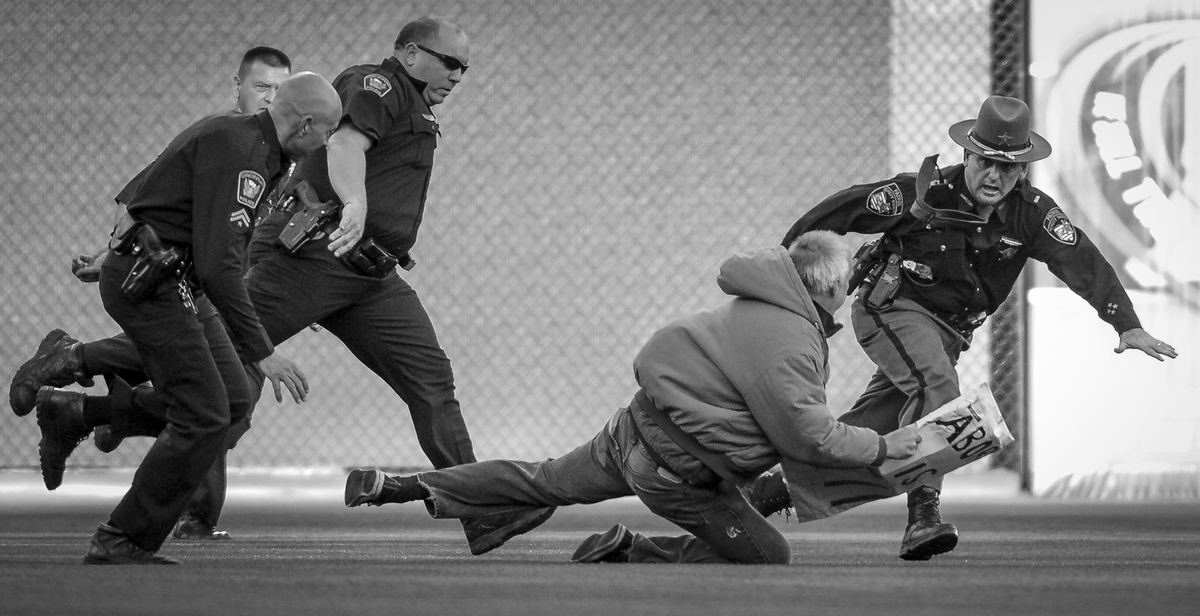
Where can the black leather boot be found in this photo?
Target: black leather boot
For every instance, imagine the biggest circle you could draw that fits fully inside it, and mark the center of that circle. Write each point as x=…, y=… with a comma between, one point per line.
x=60, y=418
x=768, y=493
x=111, y=546
x=926, y=535
x=57, y=362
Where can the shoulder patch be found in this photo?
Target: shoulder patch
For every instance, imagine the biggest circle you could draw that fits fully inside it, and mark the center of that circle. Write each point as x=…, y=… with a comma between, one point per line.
x=886, y=200
x=1056, y=224
x=250, y=188
x=377, y=83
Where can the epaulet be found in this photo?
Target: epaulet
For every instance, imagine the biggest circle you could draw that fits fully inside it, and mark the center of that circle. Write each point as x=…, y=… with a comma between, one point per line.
x=1032, y=195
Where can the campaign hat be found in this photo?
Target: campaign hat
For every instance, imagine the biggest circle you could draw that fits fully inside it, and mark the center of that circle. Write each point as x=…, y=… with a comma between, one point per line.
x=1001, y=132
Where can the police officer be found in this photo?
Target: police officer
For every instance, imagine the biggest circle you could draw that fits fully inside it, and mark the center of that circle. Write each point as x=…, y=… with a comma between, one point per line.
x=377, y=167
x=954, y=241
x=61, y=359
x=190, y=213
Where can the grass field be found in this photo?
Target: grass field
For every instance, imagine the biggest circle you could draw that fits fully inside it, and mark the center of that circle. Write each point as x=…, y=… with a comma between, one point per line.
x=298, y=551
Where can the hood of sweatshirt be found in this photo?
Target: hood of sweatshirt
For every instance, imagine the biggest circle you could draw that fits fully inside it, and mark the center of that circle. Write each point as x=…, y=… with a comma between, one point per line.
x=767, y=275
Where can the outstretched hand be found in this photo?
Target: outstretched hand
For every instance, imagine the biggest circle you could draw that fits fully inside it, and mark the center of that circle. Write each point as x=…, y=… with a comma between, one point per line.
x=1141, y=340
x=283, y=372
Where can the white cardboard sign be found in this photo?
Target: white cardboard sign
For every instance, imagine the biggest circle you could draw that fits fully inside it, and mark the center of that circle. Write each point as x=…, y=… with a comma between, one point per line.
x=962, y=431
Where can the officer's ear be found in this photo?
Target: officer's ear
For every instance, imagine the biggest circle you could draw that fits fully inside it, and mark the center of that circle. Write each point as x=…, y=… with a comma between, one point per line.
x=407, y=54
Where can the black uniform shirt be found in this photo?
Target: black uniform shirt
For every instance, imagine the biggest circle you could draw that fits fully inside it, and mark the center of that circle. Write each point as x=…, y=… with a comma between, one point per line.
x=974, y=267
x=384, y=103
x=201, y=193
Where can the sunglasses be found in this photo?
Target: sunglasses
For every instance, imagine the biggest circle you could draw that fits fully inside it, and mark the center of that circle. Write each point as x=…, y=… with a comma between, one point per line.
x=450, y=62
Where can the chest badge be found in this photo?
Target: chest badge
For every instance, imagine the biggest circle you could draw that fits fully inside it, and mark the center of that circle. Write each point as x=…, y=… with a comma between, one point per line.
x=250, y=188
x=377, y=83
x=1009, y=247
x=1056, y=224
x=886, y=200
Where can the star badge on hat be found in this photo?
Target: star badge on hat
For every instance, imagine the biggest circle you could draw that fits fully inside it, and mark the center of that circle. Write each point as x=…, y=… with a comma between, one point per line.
x=1001, y=132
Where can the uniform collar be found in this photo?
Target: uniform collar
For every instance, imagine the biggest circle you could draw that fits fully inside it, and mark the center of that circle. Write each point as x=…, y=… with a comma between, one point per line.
x=272, y=138
x=394, y=65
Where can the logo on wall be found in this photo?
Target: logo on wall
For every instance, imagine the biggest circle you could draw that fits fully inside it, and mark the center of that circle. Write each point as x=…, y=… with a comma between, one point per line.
x=1125, y=123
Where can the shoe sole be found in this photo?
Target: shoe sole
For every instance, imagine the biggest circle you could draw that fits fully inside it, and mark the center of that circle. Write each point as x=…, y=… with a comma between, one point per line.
x=216, y=535
x=44, y=347
x=88, y=559
x=926, y=550
x=358, y=491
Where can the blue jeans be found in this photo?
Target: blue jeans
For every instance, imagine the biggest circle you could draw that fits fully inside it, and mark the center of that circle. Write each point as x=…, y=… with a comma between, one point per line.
x=724, y=527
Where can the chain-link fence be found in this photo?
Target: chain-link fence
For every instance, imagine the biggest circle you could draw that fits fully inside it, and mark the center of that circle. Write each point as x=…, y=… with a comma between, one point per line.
x=598, y=162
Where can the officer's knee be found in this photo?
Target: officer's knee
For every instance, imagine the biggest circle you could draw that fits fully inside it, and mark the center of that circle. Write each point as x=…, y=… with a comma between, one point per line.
x=238, y=412
x=236, y=432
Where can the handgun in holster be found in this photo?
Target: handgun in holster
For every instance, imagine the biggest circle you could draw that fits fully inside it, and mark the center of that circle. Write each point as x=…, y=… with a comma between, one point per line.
x=370, y=259
x=866, y=266
x=154, y=264
x=884, y=288
x=311, y=219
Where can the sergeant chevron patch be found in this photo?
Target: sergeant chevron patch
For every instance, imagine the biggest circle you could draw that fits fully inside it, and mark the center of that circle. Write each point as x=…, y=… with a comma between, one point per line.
x=240, y=220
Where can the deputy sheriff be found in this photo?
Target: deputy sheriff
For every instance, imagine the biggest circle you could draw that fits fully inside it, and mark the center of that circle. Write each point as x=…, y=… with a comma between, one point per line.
x=954, y=241
x=376, y=170
x=190, y=215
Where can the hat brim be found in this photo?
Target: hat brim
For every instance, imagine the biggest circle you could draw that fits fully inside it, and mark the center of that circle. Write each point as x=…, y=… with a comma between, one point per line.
x=1041, y=148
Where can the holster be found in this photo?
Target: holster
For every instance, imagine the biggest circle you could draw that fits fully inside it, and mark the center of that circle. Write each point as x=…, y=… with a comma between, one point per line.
x=370, y=259
x=310, y=220
x=884, y=288
x=155, y=262
x=867, y=265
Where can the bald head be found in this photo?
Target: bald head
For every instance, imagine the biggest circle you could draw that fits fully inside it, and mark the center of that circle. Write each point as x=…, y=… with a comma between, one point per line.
x=306, y=111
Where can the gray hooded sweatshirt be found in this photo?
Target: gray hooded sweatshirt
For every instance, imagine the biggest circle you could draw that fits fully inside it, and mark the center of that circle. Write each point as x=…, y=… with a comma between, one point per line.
x=747, y=379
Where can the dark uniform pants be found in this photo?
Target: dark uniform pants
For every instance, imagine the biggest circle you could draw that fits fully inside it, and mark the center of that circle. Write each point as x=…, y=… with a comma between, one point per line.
x=724, y=527
x=147, y=416
x=916, y=354
x=382, y=322
x=196, y=373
